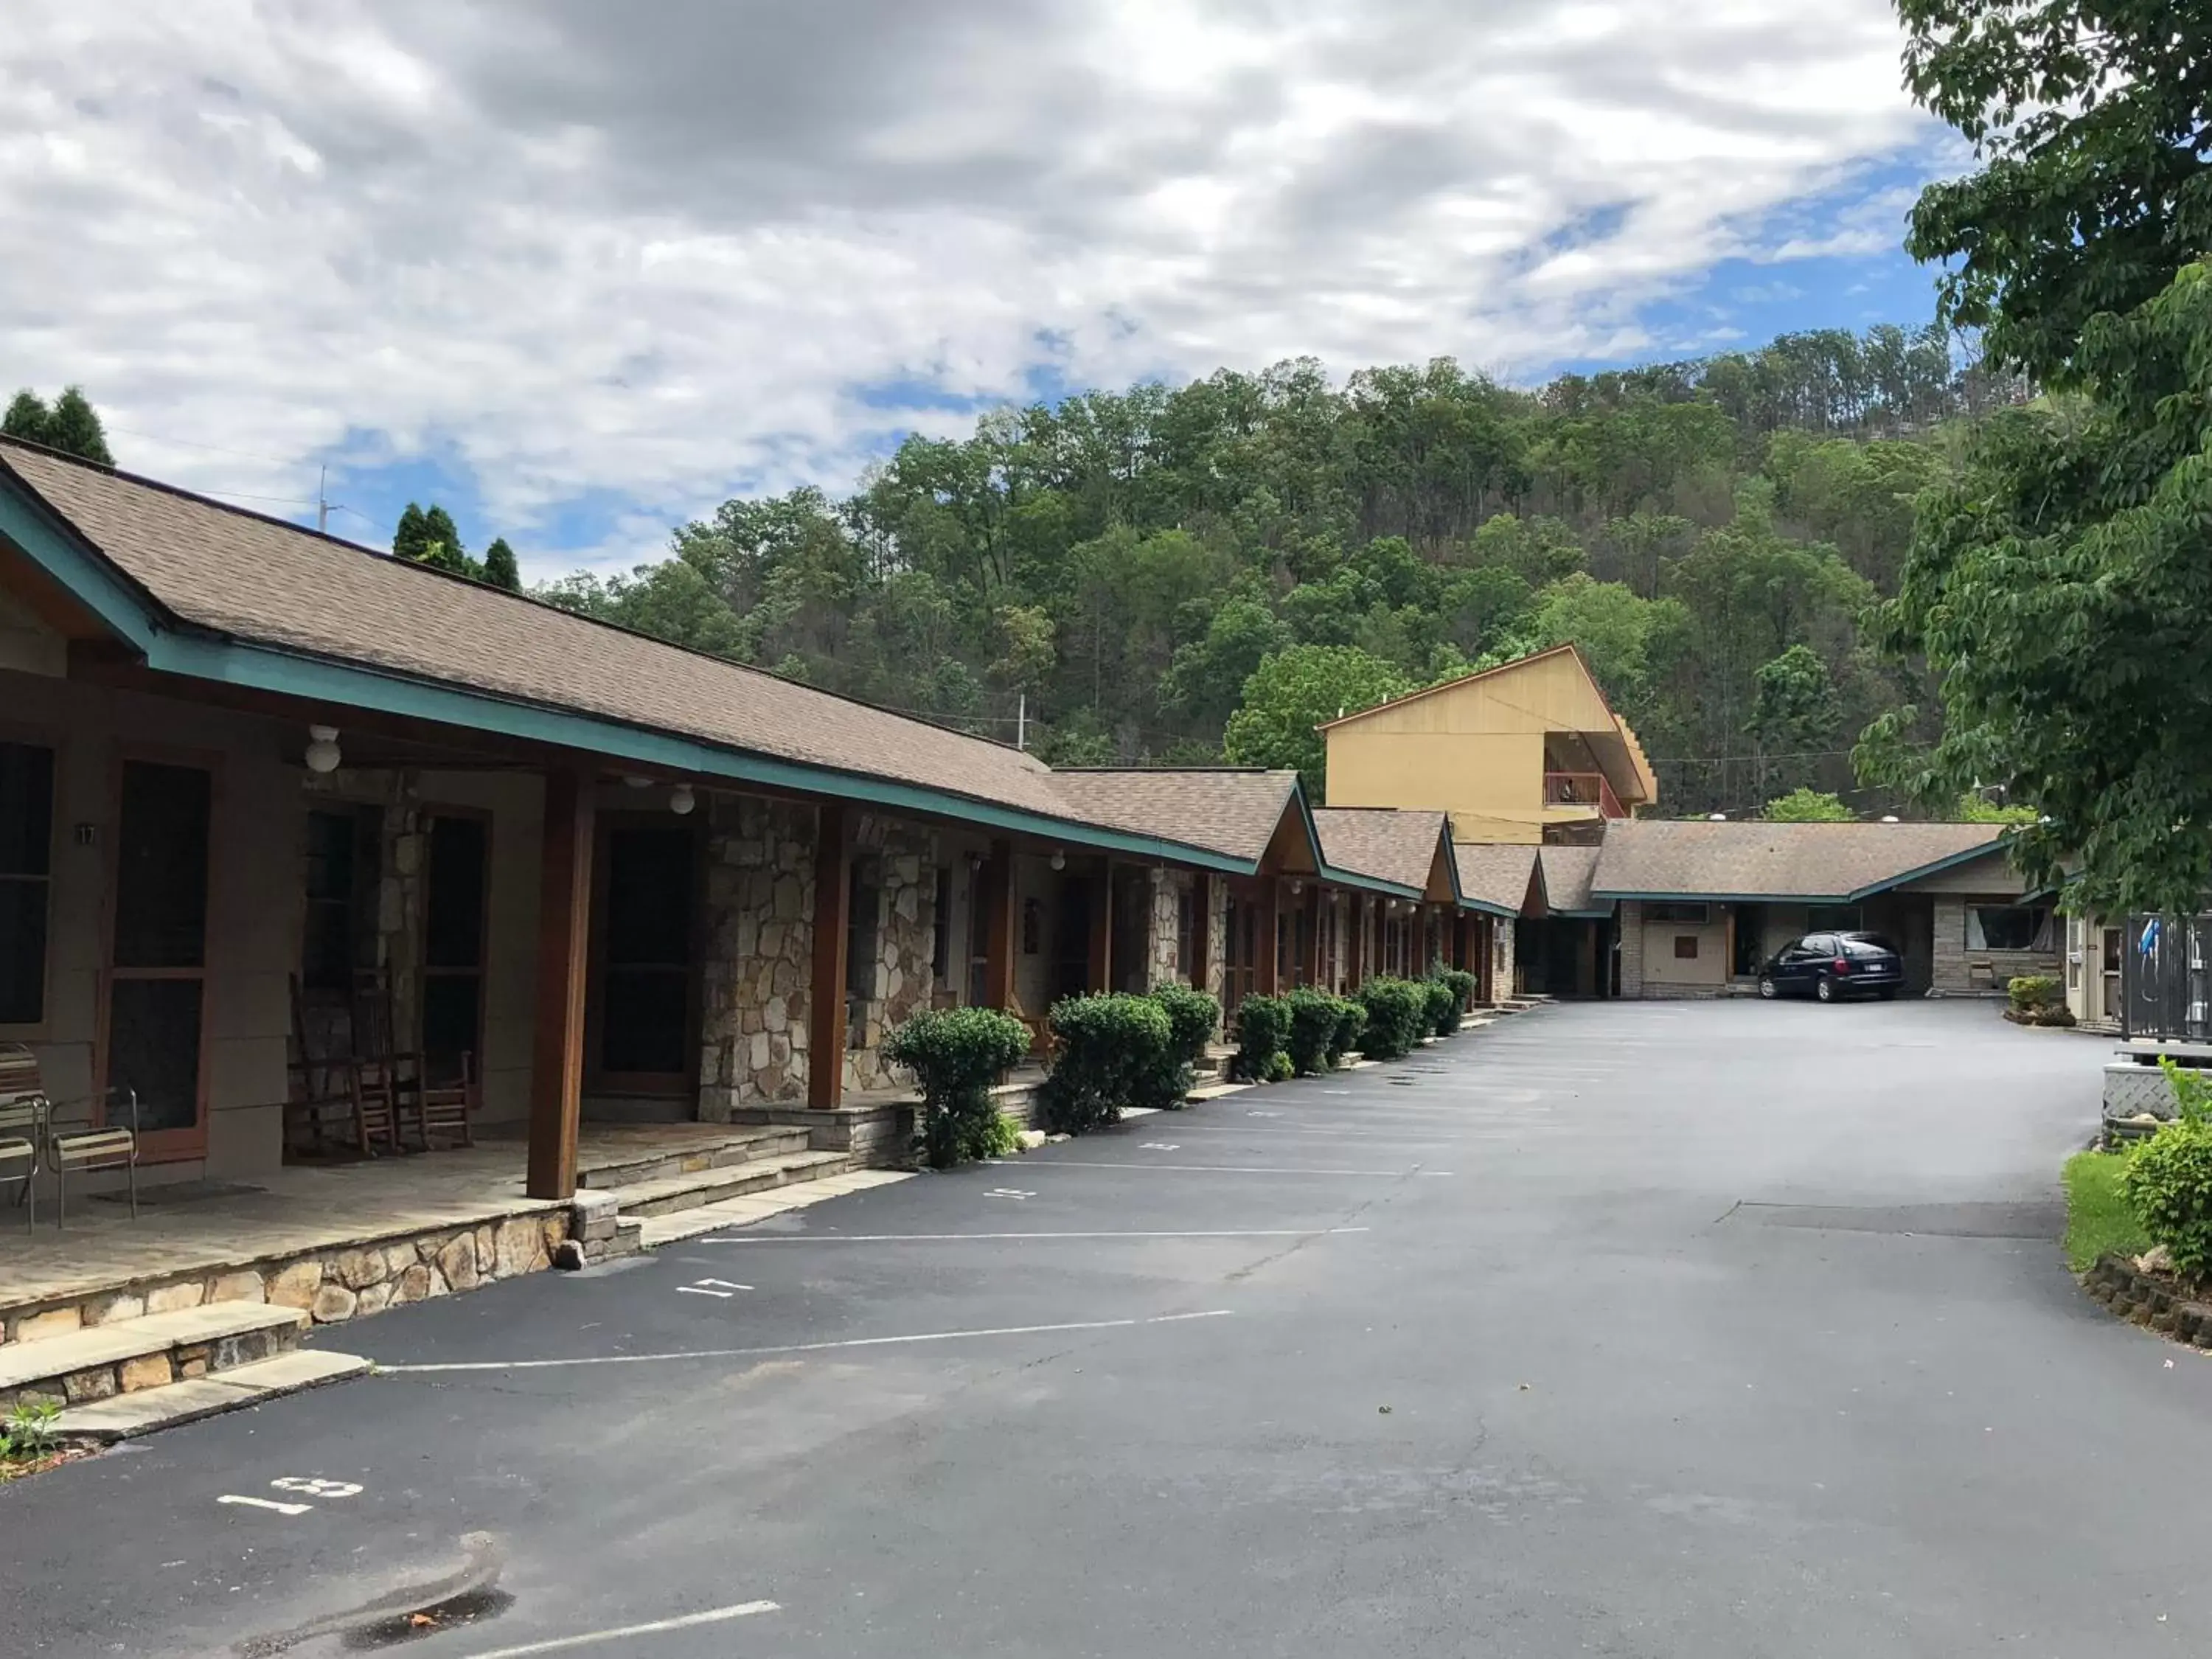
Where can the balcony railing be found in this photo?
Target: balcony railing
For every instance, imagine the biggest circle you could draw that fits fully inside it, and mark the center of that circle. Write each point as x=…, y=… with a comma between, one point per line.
x=1582, y=789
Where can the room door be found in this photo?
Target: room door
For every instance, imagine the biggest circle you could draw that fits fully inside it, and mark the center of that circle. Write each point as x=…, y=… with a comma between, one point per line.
x=154, y=1015
x=641, y=1041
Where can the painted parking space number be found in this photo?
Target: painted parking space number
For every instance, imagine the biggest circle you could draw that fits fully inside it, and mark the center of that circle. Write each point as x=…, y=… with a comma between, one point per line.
x=1161, y=1147
x=1014, y=1193
x=306, y=1484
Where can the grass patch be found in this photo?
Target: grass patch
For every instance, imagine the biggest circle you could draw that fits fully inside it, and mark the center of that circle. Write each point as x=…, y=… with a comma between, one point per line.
x=2098, y=1218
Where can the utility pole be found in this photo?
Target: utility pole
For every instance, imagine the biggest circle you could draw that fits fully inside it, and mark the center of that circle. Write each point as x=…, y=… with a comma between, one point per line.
x=323, y=503
x=1021, y=720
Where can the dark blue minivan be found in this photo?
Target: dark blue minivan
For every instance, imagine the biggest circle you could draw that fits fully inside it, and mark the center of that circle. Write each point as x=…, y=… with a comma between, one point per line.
x=1830, y=966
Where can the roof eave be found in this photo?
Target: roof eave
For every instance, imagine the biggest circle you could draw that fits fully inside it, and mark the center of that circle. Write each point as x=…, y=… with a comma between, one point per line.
x=1965, y=855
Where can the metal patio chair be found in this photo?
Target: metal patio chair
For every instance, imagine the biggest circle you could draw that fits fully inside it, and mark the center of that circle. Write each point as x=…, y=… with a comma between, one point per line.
x=94, y=1146
x=23, y=1125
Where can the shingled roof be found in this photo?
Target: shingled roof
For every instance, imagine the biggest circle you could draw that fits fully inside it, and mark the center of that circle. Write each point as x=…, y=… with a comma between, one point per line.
x=247, y=578
x=1495, y=874
x=1567, y=874
x=1234, y=809
x=1395, y=846
x=1750, y=860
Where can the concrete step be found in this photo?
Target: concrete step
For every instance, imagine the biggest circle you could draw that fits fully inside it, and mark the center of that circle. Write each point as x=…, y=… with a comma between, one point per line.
x=1206, y=1091
x=657, y=1230
x=127, y=1416
x=687, y=1192
x=740, y=1145
x=150, y=1351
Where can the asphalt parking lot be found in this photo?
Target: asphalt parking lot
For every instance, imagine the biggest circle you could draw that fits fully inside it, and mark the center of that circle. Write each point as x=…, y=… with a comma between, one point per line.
x=1637, y=1328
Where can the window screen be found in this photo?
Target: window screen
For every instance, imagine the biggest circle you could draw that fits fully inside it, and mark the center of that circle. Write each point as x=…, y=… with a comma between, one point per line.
x=26, y=826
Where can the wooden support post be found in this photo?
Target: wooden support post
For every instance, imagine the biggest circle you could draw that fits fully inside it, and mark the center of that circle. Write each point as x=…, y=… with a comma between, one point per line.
x=1310, y=967
x=1269, y=966
x=833, y=905
x=1101, y=970
x=1355, y=945
x=1201, y=929
x=996, y=895
x=557, y=1057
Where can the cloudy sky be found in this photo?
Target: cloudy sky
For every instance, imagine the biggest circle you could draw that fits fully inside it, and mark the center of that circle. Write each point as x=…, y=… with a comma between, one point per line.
x=581, y=268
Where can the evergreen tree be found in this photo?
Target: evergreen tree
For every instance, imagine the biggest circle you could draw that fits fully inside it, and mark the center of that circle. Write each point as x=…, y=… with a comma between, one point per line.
x=412, y=537
x=74, y=428
x=442, y=542
x=28, y=417
x=500, y=568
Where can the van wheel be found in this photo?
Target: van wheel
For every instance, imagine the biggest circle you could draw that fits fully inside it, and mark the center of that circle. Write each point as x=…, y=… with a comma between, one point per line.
x=1768, y=988
x=1825, y=990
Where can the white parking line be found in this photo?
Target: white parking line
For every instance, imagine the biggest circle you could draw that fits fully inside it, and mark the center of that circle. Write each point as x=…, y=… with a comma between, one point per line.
x=792, y=1347
x=1206, y=1169
x=926, y=1238
x=585, y=1638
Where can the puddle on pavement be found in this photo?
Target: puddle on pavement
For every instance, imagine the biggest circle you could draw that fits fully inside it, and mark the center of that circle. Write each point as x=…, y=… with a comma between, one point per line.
x=421, y=1622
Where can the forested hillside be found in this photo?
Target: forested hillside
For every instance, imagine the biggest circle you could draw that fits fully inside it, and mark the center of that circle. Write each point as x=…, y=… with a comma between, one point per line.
x=1173, y=575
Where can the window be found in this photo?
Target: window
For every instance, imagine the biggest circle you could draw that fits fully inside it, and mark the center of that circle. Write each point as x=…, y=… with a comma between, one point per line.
x=940, y=945
x=1686, y=947
x=1691, y=915
x=27, y=832
x=863, y=900
x=1869, y=944
x=2008, y=927
x=341, y=861
x=453, y=944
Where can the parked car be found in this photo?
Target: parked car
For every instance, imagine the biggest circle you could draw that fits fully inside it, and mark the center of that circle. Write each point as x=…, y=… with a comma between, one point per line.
x=1830, y=966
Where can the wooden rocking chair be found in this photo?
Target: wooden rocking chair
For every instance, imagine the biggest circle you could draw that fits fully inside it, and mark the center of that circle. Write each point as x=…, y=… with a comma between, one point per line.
x=385, y=1082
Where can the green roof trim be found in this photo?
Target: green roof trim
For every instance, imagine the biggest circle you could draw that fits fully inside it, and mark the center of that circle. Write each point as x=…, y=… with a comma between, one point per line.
x=1966, y=855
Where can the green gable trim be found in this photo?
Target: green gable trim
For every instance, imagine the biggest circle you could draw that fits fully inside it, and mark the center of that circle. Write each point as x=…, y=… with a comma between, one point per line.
x=1367, y=883
x=1967, y=856
x=1687, y=897
x=133, y=615
x=1485, y=908
x=261, y=668
x=119, y=602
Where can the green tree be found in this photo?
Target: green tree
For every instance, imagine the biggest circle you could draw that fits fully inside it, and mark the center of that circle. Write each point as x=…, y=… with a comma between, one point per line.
x=442, y=542
x=2096, y=184
x=410, y=538
x=1793, y=711
x=1296, y=690
x=70, y=425
x=1808, y=806
x=500, y=568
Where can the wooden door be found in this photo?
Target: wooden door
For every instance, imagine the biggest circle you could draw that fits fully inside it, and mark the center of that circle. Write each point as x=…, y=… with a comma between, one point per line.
x=154, y=1011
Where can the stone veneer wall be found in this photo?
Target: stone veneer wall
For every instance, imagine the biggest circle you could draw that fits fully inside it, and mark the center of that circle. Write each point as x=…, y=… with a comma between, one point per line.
x=1217, y=938
x=1165, y=965
x=329, y=1287
x=1629, y=928
x=906, y=936
x=1952, y=960
x=757, y=957
x=1501, y=960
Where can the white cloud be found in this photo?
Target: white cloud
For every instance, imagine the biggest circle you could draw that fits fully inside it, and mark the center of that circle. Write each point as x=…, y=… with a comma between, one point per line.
x=652, y=254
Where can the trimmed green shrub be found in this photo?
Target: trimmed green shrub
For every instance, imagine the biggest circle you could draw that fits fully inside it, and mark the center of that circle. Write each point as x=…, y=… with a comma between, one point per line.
x=1108, y=1052
x=1351, y=1022
x=1464, y=986
x=1440, y=1016
x=1315, y=1015
x=2030, y=992
x=1397, y=1012
x=1193, y=1017
x=1279, y=1069
x=957, y=1054
x=2168, y=1185
x=1263, y=1025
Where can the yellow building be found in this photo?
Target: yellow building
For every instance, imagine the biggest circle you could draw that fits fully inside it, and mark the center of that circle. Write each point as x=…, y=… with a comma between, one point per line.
x=1526, y=753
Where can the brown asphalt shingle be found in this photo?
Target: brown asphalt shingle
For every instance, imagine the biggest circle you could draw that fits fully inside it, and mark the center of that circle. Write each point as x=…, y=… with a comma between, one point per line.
x=1567, y=872
x=1389, y=845
x=271, y=584
x=1227, y=809
x=1496, y=872
x=1752, y=859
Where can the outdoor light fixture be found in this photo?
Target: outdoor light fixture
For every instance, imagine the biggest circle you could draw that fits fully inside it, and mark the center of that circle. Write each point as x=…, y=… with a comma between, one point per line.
x=1717, y=818
x=1297, y=888
x=322, y=754
x=1889, y=817
x=1059, y=859
x=681, y=800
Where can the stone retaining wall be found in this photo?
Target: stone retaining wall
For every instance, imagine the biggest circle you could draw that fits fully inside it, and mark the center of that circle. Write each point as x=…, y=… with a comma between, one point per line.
x=2147, y=1299
x=330, y=1285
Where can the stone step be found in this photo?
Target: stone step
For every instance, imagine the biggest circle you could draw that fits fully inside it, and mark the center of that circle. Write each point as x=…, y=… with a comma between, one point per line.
x=725, y=1213
x=741, y=1145
x=687, y=1192
x=127, y=1416
x=1206, y=1091
x=149, y=1352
